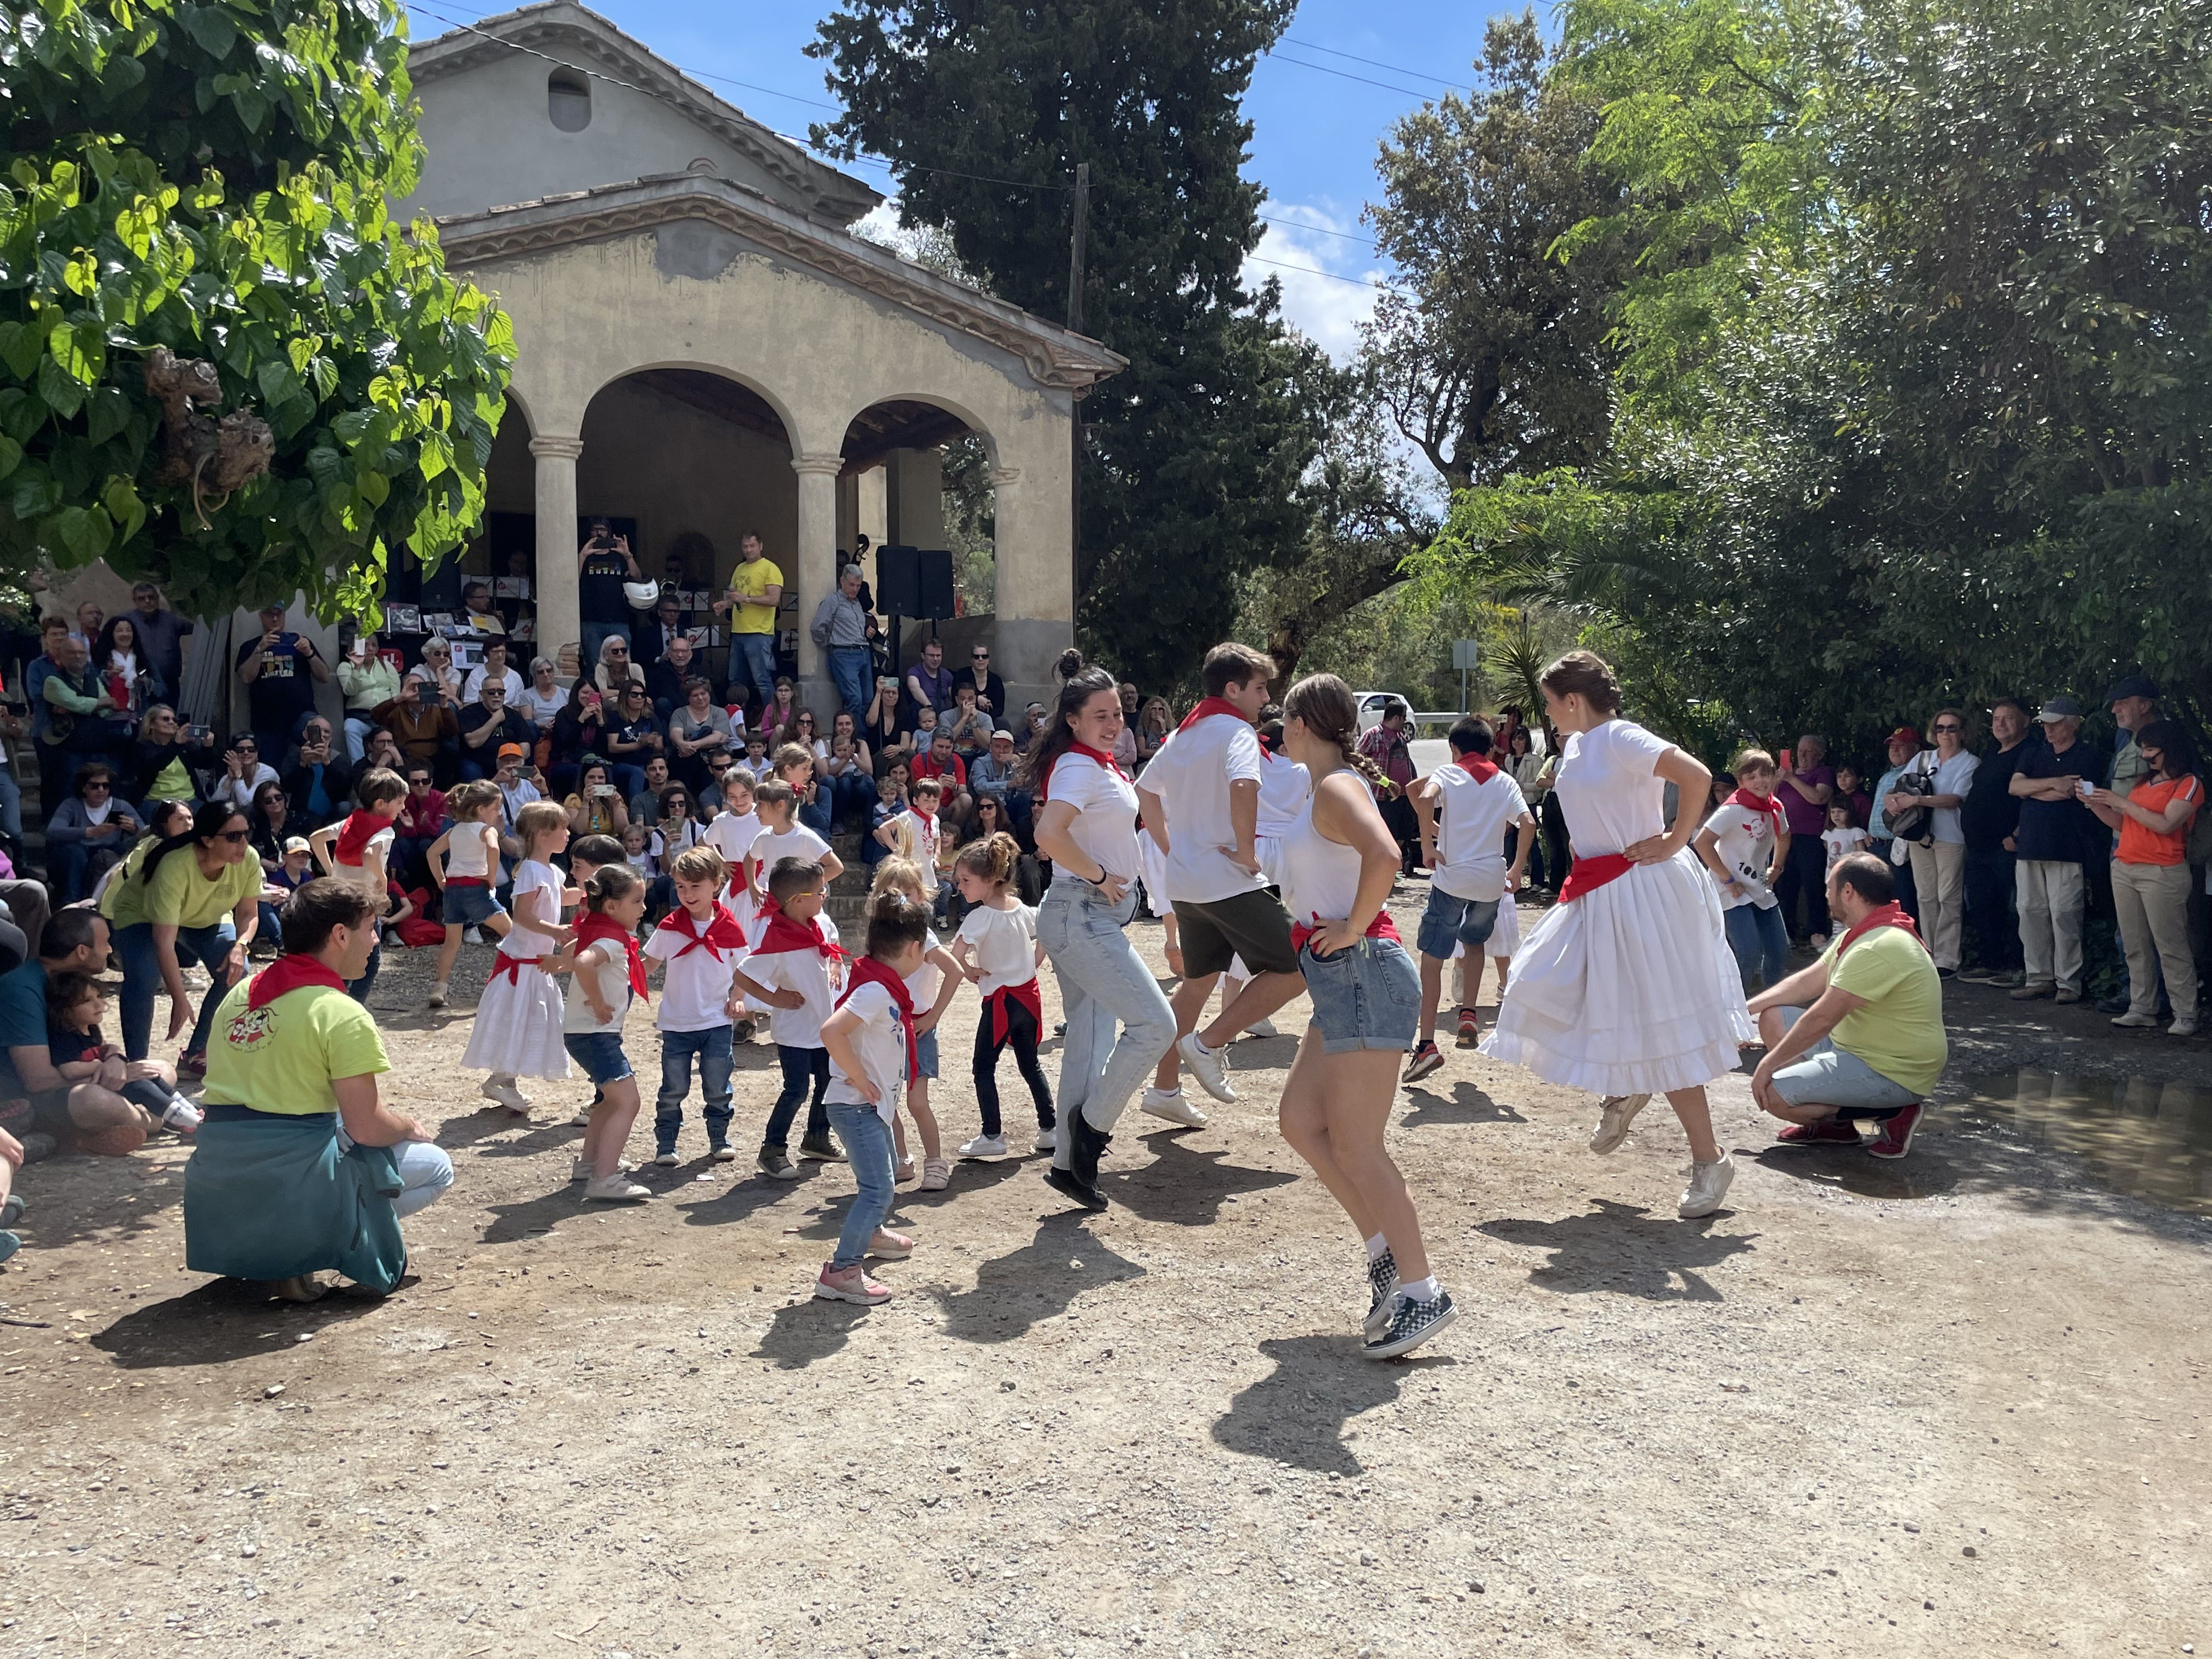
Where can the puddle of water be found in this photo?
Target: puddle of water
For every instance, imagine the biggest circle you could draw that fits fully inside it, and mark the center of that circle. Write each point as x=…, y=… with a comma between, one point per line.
x=2149, y=1140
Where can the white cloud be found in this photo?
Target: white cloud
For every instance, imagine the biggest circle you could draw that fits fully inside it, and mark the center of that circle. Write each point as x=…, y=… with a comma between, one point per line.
x=1329, y=308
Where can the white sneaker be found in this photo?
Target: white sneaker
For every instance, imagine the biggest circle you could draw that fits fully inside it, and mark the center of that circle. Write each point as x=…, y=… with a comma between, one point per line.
x=583, y=1118
x=473, y=936
x=507, y=1096
x=2132, y=1021
x=903, y=1170
x=1261, y=1028
x=438, y=993
x=664, y=1160
x=617, y=1188
x=1048, y=1140
x=1613, y=1119
x=1207, y=1066
x=985, y=1146
x=580, y=1170
x=2183, y=1025
x=1170, y=1104
x=184, y=1118
x=1709, y=1184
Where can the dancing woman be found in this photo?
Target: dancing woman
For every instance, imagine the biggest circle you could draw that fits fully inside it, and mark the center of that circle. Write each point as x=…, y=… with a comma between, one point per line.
x=1626, y=988
x=1339, y=859
x=1087, y=825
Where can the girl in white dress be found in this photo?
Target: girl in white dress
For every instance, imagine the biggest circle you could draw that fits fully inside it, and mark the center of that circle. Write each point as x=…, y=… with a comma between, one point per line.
x=518, y=1017
x=1626, y=988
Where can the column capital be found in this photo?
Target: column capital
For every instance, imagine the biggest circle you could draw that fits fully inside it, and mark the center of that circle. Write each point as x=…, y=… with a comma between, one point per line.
x=1002, y=476
x=551, y=445
x=829, y=465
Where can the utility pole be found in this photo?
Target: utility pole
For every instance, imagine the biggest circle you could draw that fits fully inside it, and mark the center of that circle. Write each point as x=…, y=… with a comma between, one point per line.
x=1075, y=325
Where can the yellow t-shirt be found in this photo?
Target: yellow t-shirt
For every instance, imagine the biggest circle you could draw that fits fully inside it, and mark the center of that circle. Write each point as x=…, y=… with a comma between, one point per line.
x=178, y=894
x=1899, y=1032
x=748, y=581
x=281, y=1057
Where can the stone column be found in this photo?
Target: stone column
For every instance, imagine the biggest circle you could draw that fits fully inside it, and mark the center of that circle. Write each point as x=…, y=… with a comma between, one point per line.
x=1034, y=599
x=814, y=569
x=560, y=623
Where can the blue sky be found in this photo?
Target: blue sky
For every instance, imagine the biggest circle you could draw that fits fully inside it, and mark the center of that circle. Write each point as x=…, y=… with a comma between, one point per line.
x=1318, y=112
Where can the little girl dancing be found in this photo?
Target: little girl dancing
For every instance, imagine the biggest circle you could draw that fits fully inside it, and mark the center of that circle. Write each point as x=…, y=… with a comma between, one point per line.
x=518, y=1017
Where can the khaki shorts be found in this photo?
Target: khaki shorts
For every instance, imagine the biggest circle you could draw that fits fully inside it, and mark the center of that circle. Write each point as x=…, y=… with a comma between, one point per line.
x=1252, y=925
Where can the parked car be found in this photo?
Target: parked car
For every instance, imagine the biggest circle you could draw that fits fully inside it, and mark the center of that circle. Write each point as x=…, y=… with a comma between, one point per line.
x=1373, y=705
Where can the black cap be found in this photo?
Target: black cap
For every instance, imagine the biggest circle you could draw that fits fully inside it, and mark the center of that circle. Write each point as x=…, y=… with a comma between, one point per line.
x=2133, y=685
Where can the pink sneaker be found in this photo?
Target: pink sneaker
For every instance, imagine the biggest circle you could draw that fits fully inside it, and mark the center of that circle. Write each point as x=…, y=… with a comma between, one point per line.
x=853, y=1284
x=889, y=1246
x=1835, y=1132
x=1896, y=1136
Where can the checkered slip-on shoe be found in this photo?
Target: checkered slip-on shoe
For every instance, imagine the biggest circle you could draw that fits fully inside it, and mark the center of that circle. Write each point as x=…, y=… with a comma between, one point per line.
x=1382, y=1284
x=1411, y=1323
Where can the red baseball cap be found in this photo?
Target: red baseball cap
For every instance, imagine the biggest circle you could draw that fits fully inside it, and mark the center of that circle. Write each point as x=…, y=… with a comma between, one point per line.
x=1902, y=734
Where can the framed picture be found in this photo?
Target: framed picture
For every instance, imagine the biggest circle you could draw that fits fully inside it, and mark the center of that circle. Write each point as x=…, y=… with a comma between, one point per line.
x=511, y=587
x=438, y=622
x=403, y=618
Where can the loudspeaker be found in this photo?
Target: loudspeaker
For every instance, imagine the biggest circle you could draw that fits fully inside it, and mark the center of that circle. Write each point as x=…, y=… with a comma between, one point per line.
x=914, y=582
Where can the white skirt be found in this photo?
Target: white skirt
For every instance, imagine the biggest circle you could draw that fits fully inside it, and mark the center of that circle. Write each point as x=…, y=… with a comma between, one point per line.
x=518, y=1027
x=1629, y=989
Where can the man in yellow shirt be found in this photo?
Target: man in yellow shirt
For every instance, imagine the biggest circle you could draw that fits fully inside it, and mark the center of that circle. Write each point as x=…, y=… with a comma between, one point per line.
x=756, y=590
x=1860, y=1033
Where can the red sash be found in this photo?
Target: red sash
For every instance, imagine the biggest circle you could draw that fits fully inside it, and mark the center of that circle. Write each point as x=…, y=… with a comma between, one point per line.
x=1207, y=709
x=1891, y=915
x=593, y=926
x=1000, y=1004
x=504, y=966
x=289, y=974
x=465, y=881
x=1592, y=872
x=784, y=934
x=1771, y=807
x=869, y=971
x=721, y=932
x=353, y=838
x=1104, y=759
x=1381, y=927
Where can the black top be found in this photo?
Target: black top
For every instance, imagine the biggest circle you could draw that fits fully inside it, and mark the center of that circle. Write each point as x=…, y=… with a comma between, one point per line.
x=1991, y=810
x=990, y=686
x=599, y=597
x=514, y=728
x=286, y=688
x=2060, y=831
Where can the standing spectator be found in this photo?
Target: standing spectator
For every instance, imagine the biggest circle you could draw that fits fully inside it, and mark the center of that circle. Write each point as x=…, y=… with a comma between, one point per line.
x=1939, y=858
x=2150, y=873
x=1385, y=745
x=489, y=723
x=2133, y=703
x=928, y=685
x=89, y=617
x=495, y=668
x=1990, y=817
x=87, y=834
x=1156, y=723
x=756, y=590
x=607, y=577
x=1803, y=783
x=367, y=682
x=1902, y=745
x=1850, y=788
x=2057, y=835
x=118, y=659
x=1527, y=769
x=841, y=628
x=990, y=689
x=280, y=671
x=161, y=636
x=320, y=784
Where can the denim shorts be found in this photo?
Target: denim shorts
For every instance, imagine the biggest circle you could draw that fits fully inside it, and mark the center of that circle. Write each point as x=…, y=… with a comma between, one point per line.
x=1825, y=1075
x=925, y=1054
x=600, y=1053
x=1450, y=921
x=470, y=907
x=1368, y=997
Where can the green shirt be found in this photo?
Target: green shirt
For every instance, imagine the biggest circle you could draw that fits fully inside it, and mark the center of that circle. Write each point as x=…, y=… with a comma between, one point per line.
x=281, y=1057
x=179, y=894
x=1900, y=1031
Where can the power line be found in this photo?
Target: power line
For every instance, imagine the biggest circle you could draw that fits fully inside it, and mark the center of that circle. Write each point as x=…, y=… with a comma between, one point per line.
x=1316, y=270
x=1299, y=224
x=1374, y=62
x=1346, y=74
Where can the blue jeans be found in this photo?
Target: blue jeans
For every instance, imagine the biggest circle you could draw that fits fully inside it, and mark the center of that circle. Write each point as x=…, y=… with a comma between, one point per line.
x=358, y=989
x=712, y=1048
x=357, y=728
x=852, y=794
x=801, y=1067
x=752, y=661
x=595, y=636
x=819, y=814
x=141, y=975
x=425, y=1171
x=1760, y=942
x=1451, y=920
x=11, y=807
x=1103, y=981
x=867, y=1142
x=853, y=669
x=75, y=867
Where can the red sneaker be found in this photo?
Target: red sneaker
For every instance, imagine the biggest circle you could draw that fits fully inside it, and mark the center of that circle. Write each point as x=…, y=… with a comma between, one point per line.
x=1835, y=1132
x=1896, y=1136
x=1470, y=1029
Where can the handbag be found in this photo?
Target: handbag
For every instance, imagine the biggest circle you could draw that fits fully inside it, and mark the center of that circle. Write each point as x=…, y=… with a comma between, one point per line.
x=1915, y=824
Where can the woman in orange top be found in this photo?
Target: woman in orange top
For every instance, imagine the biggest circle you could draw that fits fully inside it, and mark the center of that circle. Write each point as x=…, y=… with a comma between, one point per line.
x=2150, y=875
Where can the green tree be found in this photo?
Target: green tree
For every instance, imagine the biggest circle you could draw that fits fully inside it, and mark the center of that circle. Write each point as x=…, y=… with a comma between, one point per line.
x=1195, y=452
x=211, y=179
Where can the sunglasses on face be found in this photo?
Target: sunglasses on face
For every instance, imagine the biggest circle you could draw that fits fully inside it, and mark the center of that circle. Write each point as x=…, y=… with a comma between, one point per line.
x=235, y=834
x=1950, y=728
x=93, y=784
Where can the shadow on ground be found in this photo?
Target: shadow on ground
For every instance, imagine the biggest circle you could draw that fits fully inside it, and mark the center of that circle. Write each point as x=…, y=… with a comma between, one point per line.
x=224, y=1320
x=1625, y=1250
x=1297, y=1415
x=1043, y=1278
x=1466, y=1104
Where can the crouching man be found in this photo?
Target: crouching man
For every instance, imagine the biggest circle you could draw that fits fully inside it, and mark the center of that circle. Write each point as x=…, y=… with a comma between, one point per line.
x=1860, y=1033
x=299, y=1167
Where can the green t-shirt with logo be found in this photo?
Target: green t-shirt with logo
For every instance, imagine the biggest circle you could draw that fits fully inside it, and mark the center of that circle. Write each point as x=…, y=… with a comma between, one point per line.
x=1900, y=1031
x=282, y=1056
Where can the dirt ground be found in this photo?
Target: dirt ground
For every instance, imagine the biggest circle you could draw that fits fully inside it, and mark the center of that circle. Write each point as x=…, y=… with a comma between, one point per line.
x=1958, y=1404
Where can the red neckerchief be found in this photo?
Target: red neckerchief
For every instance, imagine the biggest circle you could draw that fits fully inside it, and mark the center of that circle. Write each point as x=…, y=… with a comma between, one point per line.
x=1769, y=806
x=593, y=926
x=869, y=971
x=1000, y=1001
x=289, y=974
x=1104, y=759
x=721, y=934
x=1891, y=915
x=784, y=934
x=1381, y=927
x=927, y=817
x=1591, y=871
x=1481, y=768
x=353, y=840
x=1210, y=707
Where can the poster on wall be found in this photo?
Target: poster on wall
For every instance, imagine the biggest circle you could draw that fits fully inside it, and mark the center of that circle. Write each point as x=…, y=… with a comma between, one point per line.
x=403, y=618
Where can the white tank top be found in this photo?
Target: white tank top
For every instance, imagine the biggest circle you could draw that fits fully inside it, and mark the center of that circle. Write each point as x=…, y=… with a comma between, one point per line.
x=1321, y=878
x=466, y=853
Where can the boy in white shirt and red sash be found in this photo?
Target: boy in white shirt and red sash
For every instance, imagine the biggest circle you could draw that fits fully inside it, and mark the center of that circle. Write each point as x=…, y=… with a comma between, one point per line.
x=796, y=970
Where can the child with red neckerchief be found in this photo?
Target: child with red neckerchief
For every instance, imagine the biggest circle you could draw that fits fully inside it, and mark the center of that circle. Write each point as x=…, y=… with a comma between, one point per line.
x=796, y=971
x=700, y=944
x=520, y=1015
x=608, y=970
x=998, y=949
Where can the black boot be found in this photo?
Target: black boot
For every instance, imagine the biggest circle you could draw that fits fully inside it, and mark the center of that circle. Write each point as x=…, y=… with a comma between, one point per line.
x=1079, y=1181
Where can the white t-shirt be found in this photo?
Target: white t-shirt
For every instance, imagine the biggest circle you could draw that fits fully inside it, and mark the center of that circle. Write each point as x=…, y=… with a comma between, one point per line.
x=1954, y=776
x=809, y=973
x=880, y=1047
x=923, y=838
x=796, y=842
x=1841, y=843
x=613, y=980
x=1192, y=775
x=1285, y=787
x=697, y=989
x=1105, y=825
x=375, y=855
x=1005, y=944
x=524, y=940
x=733, y=836
x=1472, y=819
x=1743, y=839
x=515, y=691
x=512, y=801
x=923, y=984
x=1609, y=789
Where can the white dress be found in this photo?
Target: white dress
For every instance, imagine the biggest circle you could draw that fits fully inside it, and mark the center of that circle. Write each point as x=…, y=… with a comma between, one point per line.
x=519, y=1018
x=1629, y=989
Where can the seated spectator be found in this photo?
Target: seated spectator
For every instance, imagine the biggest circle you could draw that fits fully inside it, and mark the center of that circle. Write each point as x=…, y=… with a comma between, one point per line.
x=1860, y=1033
x=667, y=678
x=367, y=682
x=990, y=691
x=581, y=729
x=779, y=719
x=1035, y=719
x=645, y=803
x=991, y=777
x=383, y=749
x=889, y=804
x=614, y=670
x=273, y=822
x=1155, y=726
x=75, y=1008
x=880, y=727
x=427, y=730
x=441, y=680
x=294, y=868
x=597, y=808
x=969, y=726
x=291, y=1171
x=517, y=788
x=544, y=697
x=847, y=770
x=477, y=609
x=87, y=834
x=161, y=760
x=320, y=783
x=697, y=728
x=2151, y=875
x=938, y=761
x=421, y=821
x=494, y=667
x=634, y=736
x=244, y=771
x=756, y=761
x=489, y=726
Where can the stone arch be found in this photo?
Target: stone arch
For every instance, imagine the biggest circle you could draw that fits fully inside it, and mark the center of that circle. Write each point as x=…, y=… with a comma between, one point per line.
x=786, y=414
